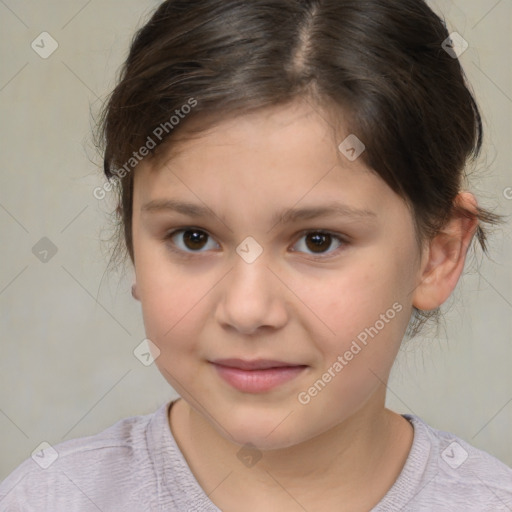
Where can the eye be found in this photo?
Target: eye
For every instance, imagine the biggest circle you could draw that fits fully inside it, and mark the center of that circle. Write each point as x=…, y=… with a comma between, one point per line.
x=189, y=240
x=318, y=242
x=193, y=240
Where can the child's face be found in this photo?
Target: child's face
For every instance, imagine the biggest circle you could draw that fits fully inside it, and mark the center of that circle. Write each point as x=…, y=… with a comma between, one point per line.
x=208, y=302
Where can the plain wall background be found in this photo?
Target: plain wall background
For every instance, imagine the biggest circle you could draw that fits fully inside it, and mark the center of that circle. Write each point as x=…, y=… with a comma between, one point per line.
x=68, y=329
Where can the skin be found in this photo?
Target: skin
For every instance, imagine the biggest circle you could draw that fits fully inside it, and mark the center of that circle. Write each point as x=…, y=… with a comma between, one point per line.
x=343, y=450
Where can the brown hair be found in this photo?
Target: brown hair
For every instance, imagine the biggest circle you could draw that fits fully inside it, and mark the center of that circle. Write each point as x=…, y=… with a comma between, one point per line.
x=380, y=61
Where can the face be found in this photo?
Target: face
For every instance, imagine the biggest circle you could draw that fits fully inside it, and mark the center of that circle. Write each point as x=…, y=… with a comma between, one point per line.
x=275, y=275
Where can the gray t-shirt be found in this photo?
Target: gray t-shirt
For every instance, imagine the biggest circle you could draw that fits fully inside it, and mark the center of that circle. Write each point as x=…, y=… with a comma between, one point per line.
x=136, y=465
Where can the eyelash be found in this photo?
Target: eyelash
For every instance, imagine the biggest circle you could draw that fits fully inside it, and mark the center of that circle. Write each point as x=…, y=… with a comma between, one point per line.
x=343, y=242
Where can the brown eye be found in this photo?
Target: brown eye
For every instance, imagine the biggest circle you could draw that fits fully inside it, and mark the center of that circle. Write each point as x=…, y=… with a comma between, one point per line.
x=189, y=240
x=194, y=239
x=318, y=242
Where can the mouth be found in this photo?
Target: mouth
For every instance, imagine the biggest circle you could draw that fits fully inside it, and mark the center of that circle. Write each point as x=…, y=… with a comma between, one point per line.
x=256, y=376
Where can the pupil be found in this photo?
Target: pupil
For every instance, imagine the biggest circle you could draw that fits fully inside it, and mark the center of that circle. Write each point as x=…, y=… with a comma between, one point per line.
x=194, y=239
x=319, y=241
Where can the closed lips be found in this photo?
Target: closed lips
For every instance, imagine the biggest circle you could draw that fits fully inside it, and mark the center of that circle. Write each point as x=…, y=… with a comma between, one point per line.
x=260, y=364
x=256, y=376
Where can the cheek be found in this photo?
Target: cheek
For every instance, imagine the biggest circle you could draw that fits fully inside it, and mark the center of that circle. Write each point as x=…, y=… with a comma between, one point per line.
x=170, y=321
x=364, y=316
x=350, y=300
x=173, y=299
x=170, y=312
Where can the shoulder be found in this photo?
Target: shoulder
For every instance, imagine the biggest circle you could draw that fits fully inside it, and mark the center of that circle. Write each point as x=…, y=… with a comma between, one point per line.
x=82, y=474
x=459, y=474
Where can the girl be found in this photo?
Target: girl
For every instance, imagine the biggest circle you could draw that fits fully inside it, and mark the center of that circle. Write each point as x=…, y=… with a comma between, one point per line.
x=290, y=194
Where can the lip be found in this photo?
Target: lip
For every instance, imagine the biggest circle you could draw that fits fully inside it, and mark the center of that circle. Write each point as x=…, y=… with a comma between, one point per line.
x=256, y=376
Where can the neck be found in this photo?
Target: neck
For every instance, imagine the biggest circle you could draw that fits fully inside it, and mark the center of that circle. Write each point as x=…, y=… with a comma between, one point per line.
x=370, y=446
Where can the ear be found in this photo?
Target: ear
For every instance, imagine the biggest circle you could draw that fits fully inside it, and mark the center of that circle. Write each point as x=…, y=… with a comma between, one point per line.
x=134, y=292
x=443, y=260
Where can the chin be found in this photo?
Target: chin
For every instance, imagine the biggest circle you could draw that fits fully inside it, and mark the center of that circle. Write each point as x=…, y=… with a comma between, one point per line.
x=259, y=439
x=264, y=430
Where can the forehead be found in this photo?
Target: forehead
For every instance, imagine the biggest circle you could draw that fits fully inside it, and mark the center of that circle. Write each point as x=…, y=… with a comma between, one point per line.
x=277, y=156
x=298, y=118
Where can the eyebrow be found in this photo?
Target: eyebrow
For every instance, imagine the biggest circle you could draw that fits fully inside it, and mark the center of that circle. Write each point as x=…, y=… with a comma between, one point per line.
x=290, y=215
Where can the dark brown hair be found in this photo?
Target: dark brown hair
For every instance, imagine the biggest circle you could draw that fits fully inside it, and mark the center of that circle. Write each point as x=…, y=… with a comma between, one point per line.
x=380, y=61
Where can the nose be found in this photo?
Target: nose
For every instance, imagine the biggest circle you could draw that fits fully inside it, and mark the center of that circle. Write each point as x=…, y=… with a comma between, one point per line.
x=252, y=299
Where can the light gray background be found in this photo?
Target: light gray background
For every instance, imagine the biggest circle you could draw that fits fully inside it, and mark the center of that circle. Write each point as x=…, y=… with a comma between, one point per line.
x=68, y=329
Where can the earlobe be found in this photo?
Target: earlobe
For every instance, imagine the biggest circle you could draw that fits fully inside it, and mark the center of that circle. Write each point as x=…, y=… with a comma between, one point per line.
x=443, y=261
x=134, y=292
